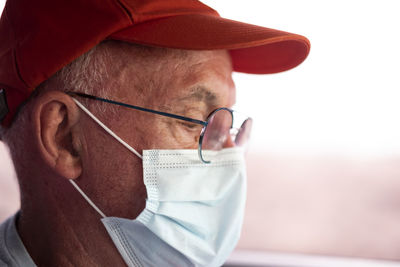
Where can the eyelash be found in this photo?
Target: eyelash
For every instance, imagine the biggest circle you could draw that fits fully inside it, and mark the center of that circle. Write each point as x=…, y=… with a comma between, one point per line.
x=190, y=126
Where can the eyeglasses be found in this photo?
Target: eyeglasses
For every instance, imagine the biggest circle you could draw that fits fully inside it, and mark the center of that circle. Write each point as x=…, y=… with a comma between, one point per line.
x=223, y=128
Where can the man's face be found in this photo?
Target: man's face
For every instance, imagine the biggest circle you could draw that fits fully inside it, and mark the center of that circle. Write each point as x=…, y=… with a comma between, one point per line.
x=191, y=84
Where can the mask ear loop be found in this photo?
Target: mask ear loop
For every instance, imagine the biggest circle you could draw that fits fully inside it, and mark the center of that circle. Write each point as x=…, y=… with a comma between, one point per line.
x=87, y=198
x=108, y=130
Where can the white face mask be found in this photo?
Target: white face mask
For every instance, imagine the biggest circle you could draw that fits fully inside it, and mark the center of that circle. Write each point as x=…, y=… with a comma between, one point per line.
x=194, y=211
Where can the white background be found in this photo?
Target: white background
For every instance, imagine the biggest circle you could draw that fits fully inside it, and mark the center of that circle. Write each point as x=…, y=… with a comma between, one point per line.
x=345, y=97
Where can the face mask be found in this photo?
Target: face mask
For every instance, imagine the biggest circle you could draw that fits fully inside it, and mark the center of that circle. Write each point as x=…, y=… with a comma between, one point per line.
x=194, y=211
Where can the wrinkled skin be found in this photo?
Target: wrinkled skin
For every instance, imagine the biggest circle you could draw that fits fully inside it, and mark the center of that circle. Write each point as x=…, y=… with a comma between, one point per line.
x=56, y=224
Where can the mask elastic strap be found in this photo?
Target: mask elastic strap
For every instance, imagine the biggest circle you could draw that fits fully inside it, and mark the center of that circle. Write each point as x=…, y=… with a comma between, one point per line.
x=87, y=198
x=113, y=135
x=107, y=129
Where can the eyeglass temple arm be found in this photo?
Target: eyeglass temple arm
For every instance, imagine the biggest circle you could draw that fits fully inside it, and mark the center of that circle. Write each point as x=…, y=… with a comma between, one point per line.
x=139, y=108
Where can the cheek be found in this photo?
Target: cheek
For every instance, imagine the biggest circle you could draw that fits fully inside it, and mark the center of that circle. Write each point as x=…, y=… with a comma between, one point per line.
x=169, y=134
x=112, y=176
x=149, y=134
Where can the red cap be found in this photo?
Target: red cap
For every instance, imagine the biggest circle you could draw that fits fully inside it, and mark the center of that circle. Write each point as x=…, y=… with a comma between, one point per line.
x=40, y=37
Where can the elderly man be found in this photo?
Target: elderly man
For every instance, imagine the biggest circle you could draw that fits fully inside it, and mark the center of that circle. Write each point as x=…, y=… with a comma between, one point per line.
x=117, y=115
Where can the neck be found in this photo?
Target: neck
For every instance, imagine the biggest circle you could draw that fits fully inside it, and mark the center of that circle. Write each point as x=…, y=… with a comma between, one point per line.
x=60, y=229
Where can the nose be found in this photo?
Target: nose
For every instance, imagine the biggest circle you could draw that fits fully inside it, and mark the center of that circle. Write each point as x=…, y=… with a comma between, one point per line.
x=229, y=141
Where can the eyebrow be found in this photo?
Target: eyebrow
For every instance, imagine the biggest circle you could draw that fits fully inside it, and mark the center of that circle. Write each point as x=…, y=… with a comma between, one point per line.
x=200, y=93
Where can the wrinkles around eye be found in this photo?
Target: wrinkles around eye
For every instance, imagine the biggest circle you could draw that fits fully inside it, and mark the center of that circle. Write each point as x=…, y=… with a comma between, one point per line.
x=186, y=134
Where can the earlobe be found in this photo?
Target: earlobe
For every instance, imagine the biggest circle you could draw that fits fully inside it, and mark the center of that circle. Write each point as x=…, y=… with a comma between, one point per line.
x=54, y=120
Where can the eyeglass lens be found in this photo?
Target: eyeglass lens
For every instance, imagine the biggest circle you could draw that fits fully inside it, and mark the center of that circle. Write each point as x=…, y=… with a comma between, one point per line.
x=222, y=132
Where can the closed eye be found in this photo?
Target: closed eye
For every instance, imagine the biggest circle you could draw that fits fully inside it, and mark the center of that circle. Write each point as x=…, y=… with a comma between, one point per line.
x=191, y=126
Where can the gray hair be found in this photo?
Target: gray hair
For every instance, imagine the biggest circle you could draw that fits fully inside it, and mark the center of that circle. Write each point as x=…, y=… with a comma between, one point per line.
x=86, y=74
x=90, y=74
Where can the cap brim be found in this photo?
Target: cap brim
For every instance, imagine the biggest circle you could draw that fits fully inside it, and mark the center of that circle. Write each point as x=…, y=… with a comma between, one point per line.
x=254, y=49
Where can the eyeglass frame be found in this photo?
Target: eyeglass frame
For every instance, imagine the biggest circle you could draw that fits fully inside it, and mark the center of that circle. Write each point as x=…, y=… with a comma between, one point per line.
x=166, y=114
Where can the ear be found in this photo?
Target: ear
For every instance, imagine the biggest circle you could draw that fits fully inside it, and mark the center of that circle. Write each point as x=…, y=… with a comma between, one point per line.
x=54, y=120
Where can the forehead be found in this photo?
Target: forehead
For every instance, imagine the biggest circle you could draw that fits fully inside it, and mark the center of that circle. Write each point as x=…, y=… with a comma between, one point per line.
x=160, y=76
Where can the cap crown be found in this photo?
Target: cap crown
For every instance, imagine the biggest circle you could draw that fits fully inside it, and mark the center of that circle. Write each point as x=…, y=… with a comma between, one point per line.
x=40, y=37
